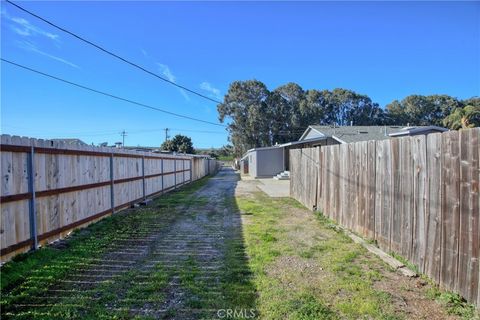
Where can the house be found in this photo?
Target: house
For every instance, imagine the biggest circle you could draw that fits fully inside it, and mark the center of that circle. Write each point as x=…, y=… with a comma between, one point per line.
x=270, y=161
x=347, y=134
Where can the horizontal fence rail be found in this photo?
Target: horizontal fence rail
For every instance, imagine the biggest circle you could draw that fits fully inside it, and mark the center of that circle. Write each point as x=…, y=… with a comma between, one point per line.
x=416, y=196
x=50, y=188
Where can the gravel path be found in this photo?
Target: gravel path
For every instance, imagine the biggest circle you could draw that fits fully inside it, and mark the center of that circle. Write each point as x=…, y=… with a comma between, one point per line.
x=175, y=266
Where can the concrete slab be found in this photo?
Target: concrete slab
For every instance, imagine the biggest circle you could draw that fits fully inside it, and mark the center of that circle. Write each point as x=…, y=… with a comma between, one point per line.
x=275, y=188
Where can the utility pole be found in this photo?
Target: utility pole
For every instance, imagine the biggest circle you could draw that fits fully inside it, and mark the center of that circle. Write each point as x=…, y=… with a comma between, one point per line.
x=123, y=134
x=166, y=134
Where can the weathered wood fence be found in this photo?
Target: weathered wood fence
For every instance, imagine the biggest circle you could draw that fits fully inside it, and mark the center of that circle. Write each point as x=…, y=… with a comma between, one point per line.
x=416, y=196
x=49, y=188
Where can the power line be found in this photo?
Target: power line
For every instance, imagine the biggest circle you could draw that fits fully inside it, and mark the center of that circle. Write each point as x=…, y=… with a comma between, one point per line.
x=104, y=133
x=133, y=64
x=109, y=94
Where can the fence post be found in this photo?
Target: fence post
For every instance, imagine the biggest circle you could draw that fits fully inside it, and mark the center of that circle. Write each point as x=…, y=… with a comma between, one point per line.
x=161, y=168
x=191, y=171
x=174, y=173
x=183, y=168
x=143, y=176
x=32, y=207
x=112, y=193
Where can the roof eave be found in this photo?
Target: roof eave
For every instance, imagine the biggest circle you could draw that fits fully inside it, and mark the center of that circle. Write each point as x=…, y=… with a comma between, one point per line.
x=417, y=130
x=338, y=139
x=307, y=131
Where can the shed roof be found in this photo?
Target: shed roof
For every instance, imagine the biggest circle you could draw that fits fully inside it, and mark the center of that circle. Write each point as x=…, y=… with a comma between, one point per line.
x=283, y=145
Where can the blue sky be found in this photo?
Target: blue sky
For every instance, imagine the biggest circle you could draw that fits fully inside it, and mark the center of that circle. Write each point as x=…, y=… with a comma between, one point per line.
x=386, y=50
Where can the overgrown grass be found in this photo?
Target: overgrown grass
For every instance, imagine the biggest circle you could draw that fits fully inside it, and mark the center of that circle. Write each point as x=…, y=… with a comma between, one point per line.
x=28, y=277
x=340, y=283
x=454, y=303
x=407, y=263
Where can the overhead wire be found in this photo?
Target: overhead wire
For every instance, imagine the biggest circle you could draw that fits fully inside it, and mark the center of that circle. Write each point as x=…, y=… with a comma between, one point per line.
x=109, y=94
x=115, y=55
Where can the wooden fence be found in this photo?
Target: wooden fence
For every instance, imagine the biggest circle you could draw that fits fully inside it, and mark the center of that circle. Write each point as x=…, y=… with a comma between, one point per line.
x=49, y=188
x=416, y=196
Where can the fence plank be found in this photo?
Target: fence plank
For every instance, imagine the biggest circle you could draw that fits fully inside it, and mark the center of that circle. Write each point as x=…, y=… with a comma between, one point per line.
x=406, y=190
x=433, y=206
x=450, y=210
x=419, y=204
x=468, y=264
x=320, y=177
x=396, y=210
x=336, y=180
x=371, y=188
x=478, y=218
x=352, y=172
x=383, y=194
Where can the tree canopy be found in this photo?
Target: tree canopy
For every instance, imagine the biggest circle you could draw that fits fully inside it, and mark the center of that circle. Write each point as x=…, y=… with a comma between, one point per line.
x=179, y=143
x=463, y=118
x=260, y=117
x=422, y=110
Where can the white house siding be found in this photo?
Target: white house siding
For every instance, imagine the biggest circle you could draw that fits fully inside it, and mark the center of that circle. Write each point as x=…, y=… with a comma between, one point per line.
x=252, y=163
x=269, y=162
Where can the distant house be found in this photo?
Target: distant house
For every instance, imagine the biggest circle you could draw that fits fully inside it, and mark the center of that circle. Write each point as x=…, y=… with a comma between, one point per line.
x=271, y=161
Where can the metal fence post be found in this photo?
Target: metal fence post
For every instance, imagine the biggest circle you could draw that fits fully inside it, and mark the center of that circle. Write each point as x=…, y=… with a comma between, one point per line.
x=175, y=173
x=191, y=170
x=112, y=191
x=143, y=176
x=32, y=206
x=161, y=168
x=183, y=166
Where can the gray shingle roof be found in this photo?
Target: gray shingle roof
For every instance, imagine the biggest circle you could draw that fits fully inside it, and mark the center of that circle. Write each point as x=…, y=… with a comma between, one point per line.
x=359, y=133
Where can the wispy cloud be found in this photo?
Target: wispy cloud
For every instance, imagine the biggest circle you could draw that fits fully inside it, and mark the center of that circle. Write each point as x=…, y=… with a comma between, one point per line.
x=167, y=73
x=28, y=46
x=184, y=94
x=24, y=28
x=165, y=70
x=211, y=89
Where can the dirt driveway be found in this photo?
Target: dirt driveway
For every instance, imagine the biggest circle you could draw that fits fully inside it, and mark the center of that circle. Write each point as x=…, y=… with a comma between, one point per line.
x=219, y=249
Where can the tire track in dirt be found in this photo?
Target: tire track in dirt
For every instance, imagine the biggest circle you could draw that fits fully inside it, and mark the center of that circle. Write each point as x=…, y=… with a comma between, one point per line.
x=172, y=266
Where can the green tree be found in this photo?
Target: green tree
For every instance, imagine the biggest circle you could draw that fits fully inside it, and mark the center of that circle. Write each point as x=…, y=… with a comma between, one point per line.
x=246, y=105
x=347, y=106
x=285, y=104
x=260, y=117
x=226, y=151
x=473, y=101
x=179, y=143
x=463, y=118
x=422, y=110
